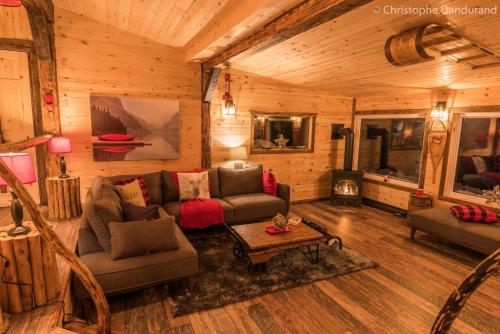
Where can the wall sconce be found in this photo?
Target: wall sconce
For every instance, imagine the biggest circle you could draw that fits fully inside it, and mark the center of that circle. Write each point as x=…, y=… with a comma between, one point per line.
x=439, y=111
x=228, y=107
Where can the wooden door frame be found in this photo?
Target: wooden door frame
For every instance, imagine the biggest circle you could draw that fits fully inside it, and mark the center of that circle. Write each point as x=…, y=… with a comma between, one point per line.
x=27, y=46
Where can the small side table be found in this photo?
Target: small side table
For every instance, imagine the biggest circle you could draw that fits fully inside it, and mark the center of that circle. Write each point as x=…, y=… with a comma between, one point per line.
x=32, y=264
x=419, y=202
x=64, y=197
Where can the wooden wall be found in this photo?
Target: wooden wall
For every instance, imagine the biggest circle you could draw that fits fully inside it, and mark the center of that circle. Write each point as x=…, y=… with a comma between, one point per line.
x=456, y=99
x=309, y=173
x=95, y=58
x=14, y=23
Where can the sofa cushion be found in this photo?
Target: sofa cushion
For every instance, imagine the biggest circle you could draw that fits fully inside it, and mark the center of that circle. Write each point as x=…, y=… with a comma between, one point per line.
x=174, y=209
x=142, y=237
x=240, y=181
x=213, y=180
x=96, y=190
x=102, y=212
x=251, y=207
x=140, y=271
x=170, y=192
x=153, y=184
x=133, y=212
x=439, y=221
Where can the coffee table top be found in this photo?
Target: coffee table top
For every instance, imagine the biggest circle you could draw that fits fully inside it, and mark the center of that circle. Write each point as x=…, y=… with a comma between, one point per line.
x=255, y=236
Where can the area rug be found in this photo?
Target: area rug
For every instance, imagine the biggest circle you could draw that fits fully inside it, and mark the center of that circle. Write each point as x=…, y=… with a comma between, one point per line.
x=223, y=279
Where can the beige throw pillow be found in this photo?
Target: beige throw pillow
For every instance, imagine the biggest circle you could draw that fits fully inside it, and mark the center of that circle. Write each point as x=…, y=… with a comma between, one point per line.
x=193, y=186
x=132, y=193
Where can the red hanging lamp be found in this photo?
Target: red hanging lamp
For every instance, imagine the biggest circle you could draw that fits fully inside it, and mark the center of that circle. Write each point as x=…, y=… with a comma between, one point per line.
x=10, y=3
x=228, y=107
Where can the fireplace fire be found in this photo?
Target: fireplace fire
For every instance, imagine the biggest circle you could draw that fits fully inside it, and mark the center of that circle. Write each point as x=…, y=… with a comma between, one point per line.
x=346, y=183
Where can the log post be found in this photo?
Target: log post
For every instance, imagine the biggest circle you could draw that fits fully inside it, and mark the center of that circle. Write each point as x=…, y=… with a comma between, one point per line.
x=457, y=300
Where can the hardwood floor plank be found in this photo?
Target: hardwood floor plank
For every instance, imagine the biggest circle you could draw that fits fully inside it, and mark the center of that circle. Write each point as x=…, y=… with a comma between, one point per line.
x=135, y=314
x=201, y=322
x=241, y=319
x=263, y=319
x=157, y=319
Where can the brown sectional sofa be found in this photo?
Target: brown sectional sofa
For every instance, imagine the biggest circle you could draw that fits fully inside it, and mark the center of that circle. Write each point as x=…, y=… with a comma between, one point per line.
x=240, y=193
x=484, y=238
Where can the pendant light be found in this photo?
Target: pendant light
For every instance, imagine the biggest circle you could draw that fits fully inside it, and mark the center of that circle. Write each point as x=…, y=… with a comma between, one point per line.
x=228, y=107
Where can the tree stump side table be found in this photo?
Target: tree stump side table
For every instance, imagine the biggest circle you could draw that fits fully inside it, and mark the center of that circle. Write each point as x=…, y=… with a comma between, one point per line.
x=64, y=197
x=419, y=202
x=31, y=278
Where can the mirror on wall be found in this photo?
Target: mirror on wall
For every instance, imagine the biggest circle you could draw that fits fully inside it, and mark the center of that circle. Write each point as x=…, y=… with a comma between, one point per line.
x=282, y=132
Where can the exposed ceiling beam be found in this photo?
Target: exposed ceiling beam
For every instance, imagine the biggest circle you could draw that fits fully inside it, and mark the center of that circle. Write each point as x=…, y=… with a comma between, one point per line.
x=229, y=17
x=305, y=16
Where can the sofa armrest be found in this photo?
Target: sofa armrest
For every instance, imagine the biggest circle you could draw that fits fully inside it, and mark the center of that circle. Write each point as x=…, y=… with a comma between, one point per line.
x=284, y=194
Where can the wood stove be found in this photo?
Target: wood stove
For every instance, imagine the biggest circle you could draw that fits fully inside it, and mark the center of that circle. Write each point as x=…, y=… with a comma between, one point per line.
x=347, y=184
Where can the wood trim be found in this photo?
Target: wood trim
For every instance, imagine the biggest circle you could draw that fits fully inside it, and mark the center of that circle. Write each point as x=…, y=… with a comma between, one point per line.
x=390, y=112
x=284, y=151
x=211, y=84
x=389, y=185
x=27, y=46
x=206, y=141
x=301, y=18
x=22, y=45
x=353, y=113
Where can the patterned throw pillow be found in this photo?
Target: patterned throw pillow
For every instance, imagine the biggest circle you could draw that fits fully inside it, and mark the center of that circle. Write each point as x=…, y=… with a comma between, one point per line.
x=474, y=213
x=479, y=164
x=142, y=185
x=193, y=186
x=132, y=193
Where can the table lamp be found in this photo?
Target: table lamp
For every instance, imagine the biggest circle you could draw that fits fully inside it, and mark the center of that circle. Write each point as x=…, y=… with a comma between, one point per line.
x=237, y=154
x=21, y=165
x=61, y=145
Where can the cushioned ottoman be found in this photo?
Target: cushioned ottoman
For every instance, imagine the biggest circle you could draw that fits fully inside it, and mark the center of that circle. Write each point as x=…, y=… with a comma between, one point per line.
x=484, y=238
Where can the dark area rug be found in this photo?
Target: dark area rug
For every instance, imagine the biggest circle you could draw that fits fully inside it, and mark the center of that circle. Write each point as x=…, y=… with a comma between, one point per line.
x=223, y=279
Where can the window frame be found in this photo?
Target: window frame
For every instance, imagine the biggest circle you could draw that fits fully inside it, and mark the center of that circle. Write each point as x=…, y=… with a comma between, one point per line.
x=383, y=179
x=452, y=155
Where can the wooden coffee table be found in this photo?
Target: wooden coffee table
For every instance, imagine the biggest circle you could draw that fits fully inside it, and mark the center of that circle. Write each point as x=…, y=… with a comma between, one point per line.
x=254, y=243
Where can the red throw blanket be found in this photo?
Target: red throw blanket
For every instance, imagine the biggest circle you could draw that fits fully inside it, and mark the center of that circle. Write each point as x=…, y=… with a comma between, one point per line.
x=199, y=213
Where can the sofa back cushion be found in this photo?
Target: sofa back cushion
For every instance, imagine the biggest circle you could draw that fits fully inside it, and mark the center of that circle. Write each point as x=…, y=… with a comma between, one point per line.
x=103, y=211
x=240, y=181
x=171, y=193
x=153, y=184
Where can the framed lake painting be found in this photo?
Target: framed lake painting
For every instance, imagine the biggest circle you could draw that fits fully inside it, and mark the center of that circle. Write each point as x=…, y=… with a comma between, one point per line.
x=133, y=128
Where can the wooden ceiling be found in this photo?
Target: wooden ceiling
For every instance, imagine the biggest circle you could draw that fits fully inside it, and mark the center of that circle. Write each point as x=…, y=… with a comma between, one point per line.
x=345, y=55
x=199, y=27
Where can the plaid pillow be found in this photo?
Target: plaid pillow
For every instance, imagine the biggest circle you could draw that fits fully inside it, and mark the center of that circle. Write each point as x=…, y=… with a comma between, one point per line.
x=474, y=213
x=145, y=192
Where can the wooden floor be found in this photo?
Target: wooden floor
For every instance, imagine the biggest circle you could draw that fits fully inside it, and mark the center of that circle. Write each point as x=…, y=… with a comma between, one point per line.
x=402, y=295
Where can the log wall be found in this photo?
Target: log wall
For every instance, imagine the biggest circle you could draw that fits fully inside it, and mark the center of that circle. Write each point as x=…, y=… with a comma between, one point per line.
x=457, y=99
x=307, y=173
x=95, y=58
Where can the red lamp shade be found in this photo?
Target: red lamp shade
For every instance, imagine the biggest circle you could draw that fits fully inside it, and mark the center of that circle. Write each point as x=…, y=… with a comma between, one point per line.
x=21, y=165
x=10, y=3
x=60, y=145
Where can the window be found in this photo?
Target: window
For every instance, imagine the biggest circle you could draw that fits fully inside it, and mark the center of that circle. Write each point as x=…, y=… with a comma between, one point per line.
x=474, y=164
x=390, y=147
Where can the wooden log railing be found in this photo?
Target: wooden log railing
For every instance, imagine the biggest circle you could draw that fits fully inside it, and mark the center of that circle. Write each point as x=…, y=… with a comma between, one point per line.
x=46, y=232
x=488, y=267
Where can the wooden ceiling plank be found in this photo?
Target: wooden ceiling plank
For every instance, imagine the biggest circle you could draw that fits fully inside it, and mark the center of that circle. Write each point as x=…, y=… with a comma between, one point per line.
x=466, y=59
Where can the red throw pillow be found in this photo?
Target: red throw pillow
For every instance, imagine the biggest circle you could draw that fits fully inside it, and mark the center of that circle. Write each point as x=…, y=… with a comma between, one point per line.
x=474, y=213
x=142, y=183
x=116, y=137
x=269, y=183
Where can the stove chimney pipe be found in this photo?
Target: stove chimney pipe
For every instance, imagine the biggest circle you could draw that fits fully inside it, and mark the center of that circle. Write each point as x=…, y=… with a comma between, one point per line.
x=338, y=132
